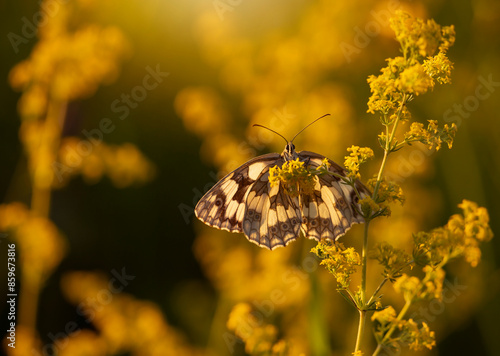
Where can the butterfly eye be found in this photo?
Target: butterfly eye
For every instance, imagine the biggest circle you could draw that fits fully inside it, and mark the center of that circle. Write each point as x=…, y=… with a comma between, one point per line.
x=314, y=222
x=284, y=226
x=325, y=222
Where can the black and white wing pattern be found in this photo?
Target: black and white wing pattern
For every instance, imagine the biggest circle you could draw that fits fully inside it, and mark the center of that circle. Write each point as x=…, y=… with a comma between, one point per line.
x=244, y=201
x=333, y=207
x=224, y=206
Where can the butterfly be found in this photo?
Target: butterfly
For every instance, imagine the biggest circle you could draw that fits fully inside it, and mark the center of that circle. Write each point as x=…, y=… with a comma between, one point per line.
x=244, y=201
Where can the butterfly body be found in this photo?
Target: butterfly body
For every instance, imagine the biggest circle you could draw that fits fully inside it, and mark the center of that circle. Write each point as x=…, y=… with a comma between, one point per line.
x=244, y=201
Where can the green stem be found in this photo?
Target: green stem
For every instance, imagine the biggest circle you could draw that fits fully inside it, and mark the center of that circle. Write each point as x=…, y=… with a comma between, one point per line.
x=388, y=149
x=362, y=309
x=364, y=254
x=361, y=327
x=374, y=295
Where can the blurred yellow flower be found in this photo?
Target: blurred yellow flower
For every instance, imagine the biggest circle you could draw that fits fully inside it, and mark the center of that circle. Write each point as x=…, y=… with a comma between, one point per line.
x=83, y=343
x=124, y=164
x=124, y=323
x=40, y=243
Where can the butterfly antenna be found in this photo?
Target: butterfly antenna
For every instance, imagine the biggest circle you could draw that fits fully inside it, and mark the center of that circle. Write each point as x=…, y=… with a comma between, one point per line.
x=272, y=131
x=309, y=125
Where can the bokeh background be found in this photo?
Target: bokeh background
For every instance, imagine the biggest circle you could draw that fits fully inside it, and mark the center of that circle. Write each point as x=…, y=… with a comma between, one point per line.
x=137, y=150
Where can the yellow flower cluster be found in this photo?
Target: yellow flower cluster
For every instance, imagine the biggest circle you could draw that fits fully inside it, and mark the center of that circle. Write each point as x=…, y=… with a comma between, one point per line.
x=387, y=193
x=461, y=236
x=370, y=208
x=358, y=155
x=393, y=259
x=273, y=282
x=416, y=336
x=40, y=243
x=433, y=136
x=416, y=71
x=295, y=176
x=419, y=38
x=125, y=165
x=439, y=68
x=124, y=324
x=342, y=262
x=65, y=65
x=413, y=289
x=260, y=338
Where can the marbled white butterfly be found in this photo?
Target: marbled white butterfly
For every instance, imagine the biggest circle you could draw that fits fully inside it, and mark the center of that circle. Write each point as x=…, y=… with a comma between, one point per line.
x=244, y=201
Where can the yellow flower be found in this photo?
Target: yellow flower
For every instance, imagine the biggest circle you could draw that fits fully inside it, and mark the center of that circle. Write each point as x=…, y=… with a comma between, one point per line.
x=295, y=177
x=259, y=337
x=408, y=286
x=414, y=80
x=393, y=259
x=417, y=337
x=433, y=136
x=385, y=316
x=83, y=343
x=369, y=207
x=340, y=261
x=420, y=38
x=439, y=68
x=358, y=155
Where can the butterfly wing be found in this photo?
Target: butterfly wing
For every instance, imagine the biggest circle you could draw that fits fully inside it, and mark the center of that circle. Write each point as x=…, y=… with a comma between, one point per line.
x=243, y=201
x=273, y=217
x=224, y=206
x=333, y=207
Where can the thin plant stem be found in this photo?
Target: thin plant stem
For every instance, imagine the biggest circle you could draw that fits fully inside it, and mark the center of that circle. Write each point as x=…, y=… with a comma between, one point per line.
x=362, y=310
x=387, y=151
x=364, y=254
x=374, y=295
x=388, y=143
x=42, y=177
x=361, y=327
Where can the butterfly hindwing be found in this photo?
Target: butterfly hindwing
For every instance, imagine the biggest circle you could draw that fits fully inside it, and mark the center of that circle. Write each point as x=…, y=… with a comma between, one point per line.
x=224, y=205
x=273, y=217
x=332, y=207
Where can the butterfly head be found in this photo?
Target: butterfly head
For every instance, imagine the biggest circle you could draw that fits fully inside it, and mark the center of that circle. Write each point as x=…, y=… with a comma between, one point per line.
x=289, y=153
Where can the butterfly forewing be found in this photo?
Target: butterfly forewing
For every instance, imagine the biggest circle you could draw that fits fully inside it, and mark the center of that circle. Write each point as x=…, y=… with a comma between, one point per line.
x=224, y=206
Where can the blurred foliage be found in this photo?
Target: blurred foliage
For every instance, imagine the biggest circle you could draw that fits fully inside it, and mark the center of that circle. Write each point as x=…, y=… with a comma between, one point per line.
x=280, y=64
